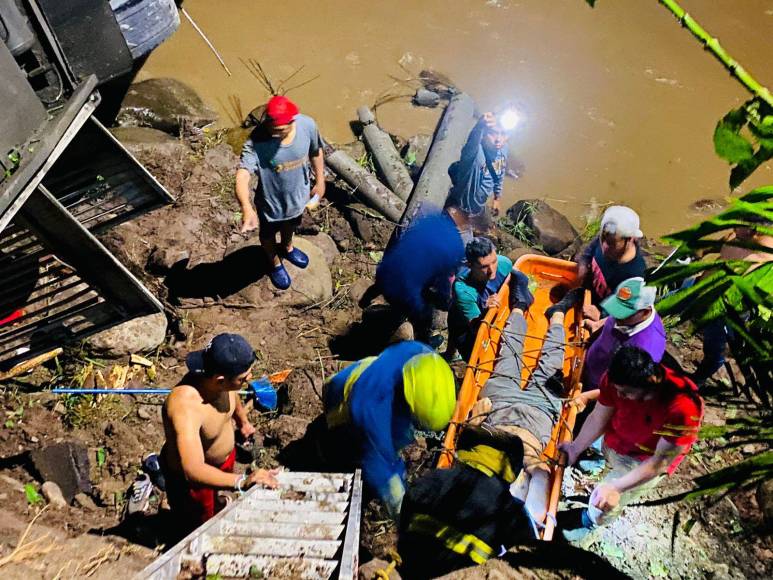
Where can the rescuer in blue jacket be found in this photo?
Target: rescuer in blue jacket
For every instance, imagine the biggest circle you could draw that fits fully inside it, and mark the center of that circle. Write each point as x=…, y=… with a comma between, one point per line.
x=375, y=405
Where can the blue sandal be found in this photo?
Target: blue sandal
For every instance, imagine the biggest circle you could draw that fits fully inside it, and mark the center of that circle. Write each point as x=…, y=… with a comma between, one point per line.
x=297, y=258
x=279, y=277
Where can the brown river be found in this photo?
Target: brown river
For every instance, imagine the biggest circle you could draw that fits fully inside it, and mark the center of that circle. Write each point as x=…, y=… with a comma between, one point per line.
x=619, y=102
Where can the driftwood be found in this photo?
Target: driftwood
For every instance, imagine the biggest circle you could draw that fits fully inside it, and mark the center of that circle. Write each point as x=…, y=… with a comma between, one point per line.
x=385, y=157
x=30, y=364
x=366, y=186
x=451, y=135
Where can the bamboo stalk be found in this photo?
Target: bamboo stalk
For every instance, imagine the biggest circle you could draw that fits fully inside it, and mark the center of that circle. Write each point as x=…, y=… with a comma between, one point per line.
x=712, y=44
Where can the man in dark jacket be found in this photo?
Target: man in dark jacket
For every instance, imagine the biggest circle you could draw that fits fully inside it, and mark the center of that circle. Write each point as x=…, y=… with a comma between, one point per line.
x=453, y=518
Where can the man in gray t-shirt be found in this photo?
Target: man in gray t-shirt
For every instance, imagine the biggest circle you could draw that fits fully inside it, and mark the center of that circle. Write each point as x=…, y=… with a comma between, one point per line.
x=282, y=152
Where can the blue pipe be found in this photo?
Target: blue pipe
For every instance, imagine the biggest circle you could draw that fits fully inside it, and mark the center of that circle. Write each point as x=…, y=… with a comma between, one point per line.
x=62, y=391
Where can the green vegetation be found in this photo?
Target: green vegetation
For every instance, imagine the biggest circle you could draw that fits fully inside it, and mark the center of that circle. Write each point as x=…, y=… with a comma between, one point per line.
x=737, y=292
x=518, y=226
x=33, y=497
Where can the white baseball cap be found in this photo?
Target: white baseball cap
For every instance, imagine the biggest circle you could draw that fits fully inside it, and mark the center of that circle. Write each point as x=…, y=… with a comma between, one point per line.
x=622, y=221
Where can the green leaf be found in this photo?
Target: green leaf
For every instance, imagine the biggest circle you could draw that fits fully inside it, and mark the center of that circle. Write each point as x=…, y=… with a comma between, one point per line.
x=101, y=456
x=730, y=145
x=33, y=497
x=10, y=424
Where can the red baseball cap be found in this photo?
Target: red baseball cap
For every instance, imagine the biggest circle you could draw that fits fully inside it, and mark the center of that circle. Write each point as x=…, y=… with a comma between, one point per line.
x=281, y=110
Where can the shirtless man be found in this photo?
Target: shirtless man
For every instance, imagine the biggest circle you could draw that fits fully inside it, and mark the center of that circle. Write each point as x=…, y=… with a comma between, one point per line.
x=198, y=456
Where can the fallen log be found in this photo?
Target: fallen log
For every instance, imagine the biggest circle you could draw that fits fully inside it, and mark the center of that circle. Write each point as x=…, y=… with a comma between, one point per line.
x=30, y=364
x=385, y=157
x=366, y=186
x=451, y=135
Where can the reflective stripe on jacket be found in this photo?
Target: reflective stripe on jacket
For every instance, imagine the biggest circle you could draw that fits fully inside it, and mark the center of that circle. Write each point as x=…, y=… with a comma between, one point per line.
x=465, y=544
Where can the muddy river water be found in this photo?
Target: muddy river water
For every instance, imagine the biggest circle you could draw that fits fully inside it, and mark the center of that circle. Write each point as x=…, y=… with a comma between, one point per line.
x=620, y=103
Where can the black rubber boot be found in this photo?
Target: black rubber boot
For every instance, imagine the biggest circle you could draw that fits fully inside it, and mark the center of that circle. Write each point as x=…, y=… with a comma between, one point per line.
x=520, y=296
x=566, y=303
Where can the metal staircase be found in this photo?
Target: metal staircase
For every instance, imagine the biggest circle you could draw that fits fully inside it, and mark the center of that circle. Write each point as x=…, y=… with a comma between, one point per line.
x=307, y=528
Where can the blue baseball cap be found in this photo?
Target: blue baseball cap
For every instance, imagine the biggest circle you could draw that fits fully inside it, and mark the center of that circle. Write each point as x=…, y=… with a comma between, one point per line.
x=226, y=354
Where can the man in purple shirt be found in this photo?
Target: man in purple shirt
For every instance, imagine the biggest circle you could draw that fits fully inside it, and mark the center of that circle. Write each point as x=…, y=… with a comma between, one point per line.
x=632, y=321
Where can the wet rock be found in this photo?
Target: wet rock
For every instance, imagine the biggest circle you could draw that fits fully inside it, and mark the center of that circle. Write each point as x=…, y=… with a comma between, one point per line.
x=426, y=98
x=370, y=570
x=165, y=104
x=85, y=502
x=66, y=464
x=505, y=241
x=328, y=246
x=284, y=430
x=708, y=205
x=518, y=252
x=545, y=227
x=415, y=154
x=136, y=335
x=161, y=260
x=311, y=285
x=765, y=500
x=437, y=82
x=358, y=288
x=53, y=495
x=141, y=135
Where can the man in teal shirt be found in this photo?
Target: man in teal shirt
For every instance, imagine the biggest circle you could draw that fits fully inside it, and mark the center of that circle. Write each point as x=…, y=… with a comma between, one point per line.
x=475, y=291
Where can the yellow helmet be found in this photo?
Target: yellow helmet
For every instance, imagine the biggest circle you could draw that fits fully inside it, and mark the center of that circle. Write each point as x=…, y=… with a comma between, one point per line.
x=430, y=391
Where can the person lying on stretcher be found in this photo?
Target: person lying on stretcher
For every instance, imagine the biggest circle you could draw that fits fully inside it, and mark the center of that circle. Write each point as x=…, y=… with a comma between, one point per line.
x=529, y=413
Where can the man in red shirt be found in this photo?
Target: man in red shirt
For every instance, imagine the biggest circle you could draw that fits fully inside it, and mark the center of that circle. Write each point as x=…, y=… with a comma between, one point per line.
x=649, y=416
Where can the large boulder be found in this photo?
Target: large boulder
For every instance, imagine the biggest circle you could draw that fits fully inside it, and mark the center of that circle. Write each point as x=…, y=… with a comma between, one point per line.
x=136, y=335
x=65, y=464
x=325, y=243
x=545, y=227
x=311, y=285
x=165, y=104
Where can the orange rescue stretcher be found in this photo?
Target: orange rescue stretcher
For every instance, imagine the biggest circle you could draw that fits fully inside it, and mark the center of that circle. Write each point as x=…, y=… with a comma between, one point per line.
x=547, y=273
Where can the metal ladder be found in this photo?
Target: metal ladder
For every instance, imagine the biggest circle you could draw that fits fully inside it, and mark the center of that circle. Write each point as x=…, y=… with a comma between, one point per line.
x=307, y=528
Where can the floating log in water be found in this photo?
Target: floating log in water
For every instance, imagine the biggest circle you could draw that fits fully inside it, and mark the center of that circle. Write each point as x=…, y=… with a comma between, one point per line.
x=385, y=156
x=451, y=135
x=366, y=186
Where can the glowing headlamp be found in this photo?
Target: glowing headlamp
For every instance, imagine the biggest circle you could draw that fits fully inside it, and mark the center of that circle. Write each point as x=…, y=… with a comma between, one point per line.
x=509, y=119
